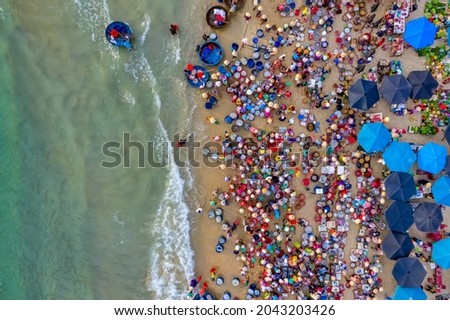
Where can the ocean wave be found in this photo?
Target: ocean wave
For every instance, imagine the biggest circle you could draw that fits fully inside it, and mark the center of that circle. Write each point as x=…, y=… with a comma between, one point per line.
x=171, y=235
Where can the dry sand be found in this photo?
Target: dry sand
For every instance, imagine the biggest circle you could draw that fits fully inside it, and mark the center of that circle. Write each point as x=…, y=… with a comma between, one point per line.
x=206, y=232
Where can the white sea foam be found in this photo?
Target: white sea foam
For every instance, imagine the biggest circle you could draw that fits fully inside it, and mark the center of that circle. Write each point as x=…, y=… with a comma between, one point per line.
x=171, y=235
x=173, y=51
x=171, y=262
x=146, y=24
x=93, y=17
x=127, y=97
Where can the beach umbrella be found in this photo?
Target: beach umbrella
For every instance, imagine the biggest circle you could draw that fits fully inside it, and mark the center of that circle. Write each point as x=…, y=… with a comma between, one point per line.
x=409, y=294
x=420, y=33
x=399, y=156
x=428, y=216
x=409, y=272
x=395, y=89
x=397, y=245
x=432, y=157
x=423, y=84
x=374, y=137
x=400, y=186
x=399, y=216
x=441, y=191
x=441, y=253
x=363, y=94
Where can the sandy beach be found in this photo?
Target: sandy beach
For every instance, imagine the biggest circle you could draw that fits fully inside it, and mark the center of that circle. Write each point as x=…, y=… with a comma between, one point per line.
x=212, y=182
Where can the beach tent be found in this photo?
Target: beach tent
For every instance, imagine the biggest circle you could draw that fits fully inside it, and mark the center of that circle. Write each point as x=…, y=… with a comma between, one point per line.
x=441, y=190
x=399, y=156
x=432, y=157
x=423, y=84
x=420, y=33
x=428, y=216
x=395, y=89
x=399, y=216
x=400, y=186
x=409, y=294
x=409, y=272
x=397, y=245
x=441, y=253
x=374, y=137
x=363, y=94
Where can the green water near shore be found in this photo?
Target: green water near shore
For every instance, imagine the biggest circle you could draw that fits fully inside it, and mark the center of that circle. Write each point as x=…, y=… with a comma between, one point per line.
x=70, y=229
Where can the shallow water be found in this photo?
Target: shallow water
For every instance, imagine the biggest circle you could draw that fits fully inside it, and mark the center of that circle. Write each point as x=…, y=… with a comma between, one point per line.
x=69, y=228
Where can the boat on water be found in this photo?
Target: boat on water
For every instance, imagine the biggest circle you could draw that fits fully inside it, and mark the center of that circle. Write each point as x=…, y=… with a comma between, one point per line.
x=217, y=17
x=210, y=53
x=119, y=34
x=196, y=76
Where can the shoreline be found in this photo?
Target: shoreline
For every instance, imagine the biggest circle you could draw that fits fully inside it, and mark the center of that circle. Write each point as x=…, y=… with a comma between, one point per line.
x=205, y=232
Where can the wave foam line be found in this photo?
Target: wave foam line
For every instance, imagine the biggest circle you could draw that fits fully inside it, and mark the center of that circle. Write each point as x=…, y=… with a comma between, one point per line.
x=146, y=24
x=171, y=234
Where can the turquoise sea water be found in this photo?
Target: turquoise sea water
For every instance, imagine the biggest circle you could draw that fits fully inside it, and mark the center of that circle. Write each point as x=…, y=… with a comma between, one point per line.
x=70, y=229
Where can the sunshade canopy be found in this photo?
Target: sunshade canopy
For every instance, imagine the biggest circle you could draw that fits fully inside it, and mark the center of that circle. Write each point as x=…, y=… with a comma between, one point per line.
x=397, y=245
x=423, y=84
x=400, y=186
x=363, y=94
x=428, y=216
x=399, y=156
x=409, y=272
x=374, y=137
x=441, y=253
x=395, y=89
x=432, y=157
x=399, y=216
x=420, y=33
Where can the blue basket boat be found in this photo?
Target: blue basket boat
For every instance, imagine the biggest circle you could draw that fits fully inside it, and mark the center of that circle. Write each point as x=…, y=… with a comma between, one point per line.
x=119, y=34
x=210, y=53
x=192, y=76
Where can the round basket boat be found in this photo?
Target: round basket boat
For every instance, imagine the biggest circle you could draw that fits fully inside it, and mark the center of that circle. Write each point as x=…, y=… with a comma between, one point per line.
x=217, y=17
x=239, y=3
x=210, y=53
x=119, y=34
x=196, y=76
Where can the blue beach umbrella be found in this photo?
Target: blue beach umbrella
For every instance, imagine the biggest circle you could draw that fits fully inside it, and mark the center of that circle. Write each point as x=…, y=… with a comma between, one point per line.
x=432, y=157
x=397, y=245
x=400, y=186
x=409, y=272
x=420, y=33
x=423, y=84
x=441, y=191
x=395, y=89
x=374, y=137
x=428, y=216
x=399, y=156
x=409, y=294
x=441, y=253
x=363, y=94
x=399, y=216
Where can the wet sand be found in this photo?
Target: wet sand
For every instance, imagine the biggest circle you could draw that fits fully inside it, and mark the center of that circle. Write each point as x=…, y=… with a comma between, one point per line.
x=206, y=231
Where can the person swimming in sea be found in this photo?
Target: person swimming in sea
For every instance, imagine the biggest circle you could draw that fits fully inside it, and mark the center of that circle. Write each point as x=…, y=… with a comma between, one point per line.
x=174, y=29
